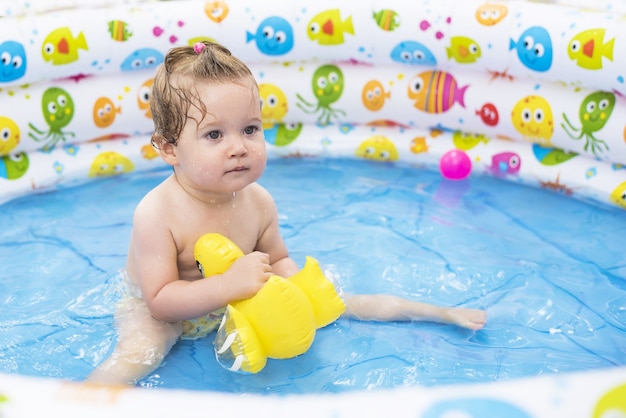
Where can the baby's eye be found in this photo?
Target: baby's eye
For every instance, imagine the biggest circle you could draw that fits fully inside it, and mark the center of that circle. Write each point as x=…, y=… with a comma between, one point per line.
x=214, y=134
x=251, y=130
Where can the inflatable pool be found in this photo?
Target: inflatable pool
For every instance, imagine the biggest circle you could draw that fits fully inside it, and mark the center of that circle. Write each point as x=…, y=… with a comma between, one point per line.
x=527, y=92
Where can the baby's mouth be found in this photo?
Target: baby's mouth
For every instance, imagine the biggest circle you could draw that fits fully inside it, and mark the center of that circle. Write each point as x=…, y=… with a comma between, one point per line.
x=237, y=169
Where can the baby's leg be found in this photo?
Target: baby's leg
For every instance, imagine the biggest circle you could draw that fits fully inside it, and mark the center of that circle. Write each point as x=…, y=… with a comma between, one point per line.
x=393, y=308
x=143, y=343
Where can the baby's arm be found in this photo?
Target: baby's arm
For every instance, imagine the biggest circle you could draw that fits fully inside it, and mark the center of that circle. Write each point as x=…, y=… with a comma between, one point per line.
x=271, y=241
x=173, y=300
x=393, y=308
x=363, y=307
x=173, y=289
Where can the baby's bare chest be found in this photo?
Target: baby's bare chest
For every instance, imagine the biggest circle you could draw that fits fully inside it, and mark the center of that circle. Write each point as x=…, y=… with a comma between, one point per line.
x=244, y=227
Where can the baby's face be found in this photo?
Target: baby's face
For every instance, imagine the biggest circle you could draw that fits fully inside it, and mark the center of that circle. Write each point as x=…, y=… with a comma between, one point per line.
x=225, y=152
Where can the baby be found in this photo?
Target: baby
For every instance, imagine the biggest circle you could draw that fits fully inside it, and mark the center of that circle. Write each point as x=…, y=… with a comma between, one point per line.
x=207, y=117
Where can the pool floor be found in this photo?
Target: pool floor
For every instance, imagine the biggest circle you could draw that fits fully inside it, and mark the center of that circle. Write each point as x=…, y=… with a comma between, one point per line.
x=550, y=270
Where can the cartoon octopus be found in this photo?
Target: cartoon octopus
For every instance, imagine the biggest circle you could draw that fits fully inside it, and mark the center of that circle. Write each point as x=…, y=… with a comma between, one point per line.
x=327, y=87
x=58, y=110
x=595, y=110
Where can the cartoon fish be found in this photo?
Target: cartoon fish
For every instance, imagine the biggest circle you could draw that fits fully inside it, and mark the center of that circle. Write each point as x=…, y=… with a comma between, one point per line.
x=413, y=52
x=419, y=145
x=468, y=140
x=588, y=48
x=142, y=59
x=12, y=61
x=534, y=48
x=274, y=104
x=388, y=123
x=110, y=163
x=463, y=50
x=532, y=117
x=283, y=134
x=551, y=156
x=474, y=407
x=104, y=112
x=216, y=10
x=269, y=131
x=327, y=28
x=9, y=135
x=378, y=148
x=436, y=91
x=489, y=114
x=143, y=97
x=119, y=30
x=618, y=195
x=13, y=166
x=373, y=95
x=387, y=19
x=491, y=14
x=149, y=152
x=612, y=402
x=505, y=163
x=195, y=40
x=274, y=36
x=61, y=47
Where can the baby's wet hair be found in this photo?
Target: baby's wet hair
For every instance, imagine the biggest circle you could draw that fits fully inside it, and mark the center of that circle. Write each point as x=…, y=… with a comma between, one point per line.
x=174, y=90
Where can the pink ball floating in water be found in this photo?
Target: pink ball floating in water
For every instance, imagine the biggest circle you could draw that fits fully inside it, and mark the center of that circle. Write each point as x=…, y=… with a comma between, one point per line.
x=455, y=165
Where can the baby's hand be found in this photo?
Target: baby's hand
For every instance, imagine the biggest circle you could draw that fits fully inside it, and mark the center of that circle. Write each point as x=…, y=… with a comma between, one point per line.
x=473, y=319
x=248, y=274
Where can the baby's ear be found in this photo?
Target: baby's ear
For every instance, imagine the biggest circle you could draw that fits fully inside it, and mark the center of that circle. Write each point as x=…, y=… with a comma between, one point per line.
x=166, y=149
x=168, y=153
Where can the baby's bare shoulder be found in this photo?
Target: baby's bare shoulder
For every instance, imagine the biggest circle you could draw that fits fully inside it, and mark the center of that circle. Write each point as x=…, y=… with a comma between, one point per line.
x=152, y=201
x=259, y=194
x=156, y=206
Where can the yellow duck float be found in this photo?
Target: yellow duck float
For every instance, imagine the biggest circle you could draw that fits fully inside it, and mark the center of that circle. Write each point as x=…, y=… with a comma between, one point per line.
x=278, y=322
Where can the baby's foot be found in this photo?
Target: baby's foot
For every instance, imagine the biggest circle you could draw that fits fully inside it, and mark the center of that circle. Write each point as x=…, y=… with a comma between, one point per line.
x=473, y=319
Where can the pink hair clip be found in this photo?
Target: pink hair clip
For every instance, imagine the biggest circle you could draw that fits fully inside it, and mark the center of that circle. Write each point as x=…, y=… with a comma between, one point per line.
x=198, y=47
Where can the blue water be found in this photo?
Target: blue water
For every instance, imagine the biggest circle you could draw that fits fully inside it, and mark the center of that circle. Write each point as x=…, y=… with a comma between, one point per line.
x=550, y=271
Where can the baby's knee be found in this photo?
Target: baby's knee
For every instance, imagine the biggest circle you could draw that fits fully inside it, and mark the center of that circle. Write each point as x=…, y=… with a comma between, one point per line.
x=148, y=353
x=148, y=348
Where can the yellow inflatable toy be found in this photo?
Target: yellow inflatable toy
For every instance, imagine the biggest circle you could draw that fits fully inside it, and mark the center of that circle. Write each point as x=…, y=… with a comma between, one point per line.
x=279, y=321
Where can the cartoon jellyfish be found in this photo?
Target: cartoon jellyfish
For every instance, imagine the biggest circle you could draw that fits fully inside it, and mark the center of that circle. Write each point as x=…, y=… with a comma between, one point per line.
x=327, y=87
x=9, y=135
x=274, y=104
x=104, y=112
x=595, y=110
x=414, y=53
x=216, y=10
x=377, y=148
x=374, y=95
x=110, y=163
x=144, y=95
x=142, y=59
x=58, y=110
x=491, y=14
x=532, y=117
